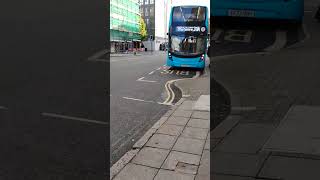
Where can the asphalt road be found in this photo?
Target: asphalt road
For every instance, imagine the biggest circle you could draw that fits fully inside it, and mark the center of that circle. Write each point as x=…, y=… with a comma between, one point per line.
x=137, y=90
x=53, y=102
x=235, y=36
x=238, y=36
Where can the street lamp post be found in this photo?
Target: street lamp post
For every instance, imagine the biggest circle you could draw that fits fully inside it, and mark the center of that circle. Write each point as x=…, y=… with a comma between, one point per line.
x=131, y=37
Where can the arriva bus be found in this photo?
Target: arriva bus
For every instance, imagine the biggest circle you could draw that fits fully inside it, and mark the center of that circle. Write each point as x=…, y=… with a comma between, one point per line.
x=291, y=10
x=188, y=36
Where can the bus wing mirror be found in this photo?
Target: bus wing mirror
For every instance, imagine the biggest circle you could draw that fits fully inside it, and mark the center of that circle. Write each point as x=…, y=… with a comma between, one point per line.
x=167, y=33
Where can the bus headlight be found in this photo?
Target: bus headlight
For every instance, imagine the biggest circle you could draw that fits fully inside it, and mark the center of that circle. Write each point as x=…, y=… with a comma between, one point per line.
x=169, y=55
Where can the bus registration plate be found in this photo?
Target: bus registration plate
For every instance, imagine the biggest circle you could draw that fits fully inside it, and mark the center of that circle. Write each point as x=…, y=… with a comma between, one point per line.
x=241, y=13
x=185, y=65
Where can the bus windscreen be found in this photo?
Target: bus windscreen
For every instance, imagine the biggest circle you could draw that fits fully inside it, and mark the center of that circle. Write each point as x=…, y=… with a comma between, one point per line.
x=189, y=14
x=187, y=46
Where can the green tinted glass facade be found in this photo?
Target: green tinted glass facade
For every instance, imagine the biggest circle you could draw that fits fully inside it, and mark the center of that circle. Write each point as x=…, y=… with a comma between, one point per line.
x=124, y=20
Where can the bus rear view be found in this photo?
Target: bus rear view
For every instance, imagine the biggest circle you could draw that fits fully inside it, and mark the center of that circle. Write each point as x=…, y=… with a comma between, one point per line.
x=291, y=10
x=188, y=36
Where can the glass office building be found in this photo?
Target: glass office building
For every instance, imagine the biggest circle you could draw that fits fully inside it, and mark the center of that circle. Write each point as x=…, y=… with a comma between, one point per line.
x=124, y=25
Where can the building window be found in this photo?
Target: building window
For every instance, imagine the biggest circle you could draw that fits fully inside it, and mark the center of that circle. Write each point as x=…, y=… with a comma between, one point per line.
x=146, y=1
x=146, y=12
x=151, y=11
x=151, y=1
x=147, y=22
x=141, y=11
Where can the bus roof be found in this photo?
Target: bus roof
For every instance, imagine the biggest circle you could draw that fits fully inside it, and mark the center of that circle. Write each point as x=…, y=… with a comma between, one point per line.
x=190, y=6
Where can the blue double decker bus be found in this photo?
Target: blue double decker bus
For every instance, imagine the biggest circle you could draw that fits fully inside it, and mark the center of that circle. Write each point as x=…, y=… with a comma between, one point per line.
x=188, y=36
x=291, y=10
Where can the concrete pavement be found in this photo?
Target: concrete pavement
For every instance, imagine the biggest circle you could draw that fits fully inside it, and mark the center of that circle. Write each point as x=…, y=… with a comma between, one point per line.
x=274, y=134
x=138, y=92
x=176, y=147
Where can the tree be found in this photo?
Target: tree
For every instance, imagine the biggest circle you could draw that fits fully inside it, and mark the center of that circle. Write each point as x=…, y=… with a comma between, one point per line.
x=143, y=29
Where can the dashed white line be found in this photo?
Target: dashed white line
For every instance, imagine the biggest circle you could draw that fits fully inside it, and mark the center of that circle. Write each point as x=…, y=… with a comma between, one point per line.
x=280, y=42
x=142, y=79
x=151, y=72
x=134, y=99
x=73, y=118
x=141, y=100
x=3, y=108
x=98, y=54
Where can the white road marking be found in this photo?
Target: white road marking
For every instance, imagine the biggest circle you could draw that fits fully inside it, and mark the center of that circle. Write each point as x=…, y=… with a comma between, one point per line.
x=216, y=34
x=236, y=35
x=134, y=99
x=73, y=118
x=97, y=55
x=4, y=108
x=279, y=43
x=141, y=100
x=151, y=72
x=142, y=79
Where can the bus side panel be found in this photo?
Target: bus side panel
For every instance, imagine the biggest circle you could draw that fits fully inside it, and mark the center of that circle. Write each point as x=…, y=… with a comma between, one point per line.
x=290, y=10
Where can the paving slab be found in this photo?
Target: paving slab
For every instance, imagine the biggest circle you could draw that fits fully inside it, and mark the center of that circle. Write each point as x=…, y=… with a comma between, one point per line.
x=172, y=130
x=172, y=175
x=225, y=127
x=199, y=123
x=161, y=141
x=179, y=121
x=125, y=159
x=152, y=157
x=228, y=177
x=186, y=168
x=201, y=115
x=144, y=139
x=159, y=123
x=203, y=103
x=278, y=167
x=203, y=177
x=246, y=138
x=186, y=105
x=298, y=132
x=207, y=144
x=204, y=168
x=136, y=172
x=195, y=133
x=174, y=158
x=182, y=113
x=236, y=164
x=188, y=145
x=213, y=143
